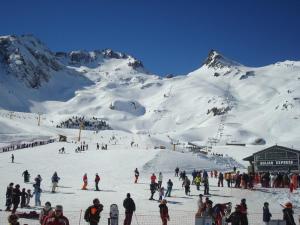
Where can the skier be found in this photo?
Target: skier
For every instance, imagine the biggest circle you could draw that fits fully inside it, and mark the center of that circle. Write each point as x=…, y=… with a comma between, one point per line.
x=164, y=212
x=186, y=183
x=54, y=180
x=206, y=186
x=57, y=217
x=288, y=214
x=160, y=178
x=161, y=193
x=46, y=211
x=37, y=194
x=176, y=171
x=169, y=188
x=198, y=182
x=97, y=179
x=220, y=179
x=26, y=176
x=153, y=178
x=266, y=213
x=12, y=158
x=23, y=198
x=13, y=219
x=98, y=146
x=85, y=182
x=92, y=213
x=9, y=196
x=129, y=206
x=152, y=190
x=16, y=198
x=136, y=174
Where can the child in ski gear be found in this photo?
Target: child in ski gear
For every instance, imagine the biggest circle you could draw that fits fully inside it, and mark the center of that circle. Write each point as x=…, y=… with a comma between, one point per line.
x=164, y=212
x=46, y=211
x=97, y=179
x=92, y=213
x=136, y=174
x=161, y=193
x=266, y=213
x=28, y=196
x=57, y=217
x=23, y=197
x=54, y=180
x=9, y=196
x=129, y=206
x=197, y=182
x=85, y=182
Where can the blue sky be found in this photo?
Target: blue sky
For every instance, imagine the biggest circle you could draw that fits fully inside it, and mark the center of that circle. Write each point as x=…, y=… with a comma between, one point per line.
x=169, y=36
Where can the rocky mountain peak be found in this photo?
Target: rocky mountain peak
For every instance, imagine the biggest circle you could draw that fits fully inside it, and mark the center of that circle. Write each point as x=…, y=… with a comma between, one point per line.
x=217, y=61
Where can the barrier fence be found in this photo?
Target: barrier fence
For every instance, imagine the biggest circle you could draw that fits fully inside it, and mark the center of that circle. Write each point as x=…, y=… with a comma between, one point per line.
x=176, y=218
x=22, y=145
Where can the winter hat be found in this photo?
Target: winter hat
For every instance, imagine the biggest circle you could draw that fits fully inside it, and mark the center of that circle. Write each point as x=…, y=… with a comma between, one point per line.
x=58, y=208
x=288, y=205
x=128, y=195
x=266, y=203
x=48, y=204
x=96, y=200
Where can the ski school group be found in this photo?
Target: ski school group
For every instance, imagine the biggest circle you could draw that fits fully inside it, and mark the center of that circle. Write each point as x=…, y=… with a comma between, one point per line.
x=218, y=212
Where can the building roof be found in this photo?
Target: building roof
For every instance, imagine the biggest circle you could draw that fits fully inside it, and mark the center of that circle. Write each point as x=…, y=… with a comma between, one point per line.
x=251, y=158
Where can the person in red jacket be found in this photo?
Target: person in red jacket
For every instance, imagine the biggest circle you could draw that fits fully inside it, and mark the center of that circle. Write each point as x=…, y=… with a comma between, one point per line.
x=85, y=182
x=153, y=178
x=164, y=212
x=56, y=218
x=97, y=179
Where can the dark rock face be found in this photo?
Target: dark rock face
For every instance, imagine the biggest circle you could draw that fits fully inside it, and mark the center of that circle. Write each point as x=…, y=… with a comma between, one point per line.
x=217, y=61
x=247, y=75
x=26, y=58
x=218, y=111
x=136, y=64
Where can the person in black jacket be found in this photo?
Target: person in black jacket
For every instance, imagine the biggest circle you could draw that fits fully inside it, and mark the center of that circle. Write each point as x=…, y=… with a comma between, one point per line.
x=152, y=190
x=288, y=214
x=129, y=209
x=9, y=194
x=266, y=213
x=235, y=218
x=16, y=197
x=92, y=213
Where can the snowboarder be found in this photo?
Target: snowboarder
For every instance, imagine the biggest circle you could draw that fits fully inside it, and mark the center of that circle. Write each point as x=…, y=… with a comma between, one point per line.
x=16, y=198
x=57, y=217
x=164, y=212
x=46, y=211
x=12, y=158
x=169, y=188
x=37, y=194
x=85, y=182
x=54, y=180
x=266, y=213
x=97, y=179
x=26, y=176
x=160, y=179
x=152, y=190
x=129, y=206
x=288, y=214
x=136, y=174
x=92, y=213
x=9, y=196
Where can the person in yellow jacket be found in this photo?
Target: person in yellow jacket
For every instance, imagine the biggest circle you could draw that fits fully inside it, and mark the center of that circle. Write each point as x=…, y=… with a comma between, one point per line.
x=198, y=182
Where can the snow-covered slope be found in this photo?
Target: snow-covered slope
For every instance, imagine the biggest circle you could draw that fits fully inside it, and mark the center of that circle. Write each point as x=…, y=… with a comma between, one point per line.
x=222, y=101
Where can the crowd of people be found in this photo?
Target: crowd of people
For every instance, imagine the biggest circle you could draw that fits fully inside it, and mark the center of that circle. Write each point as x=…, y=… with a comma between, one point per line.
x=18, y=146
x=93, y=123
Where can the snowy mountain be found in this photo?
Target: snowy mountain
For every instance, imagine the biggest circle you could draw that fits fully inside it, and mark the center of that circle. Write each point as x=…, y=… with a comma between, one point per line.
x=222, y=101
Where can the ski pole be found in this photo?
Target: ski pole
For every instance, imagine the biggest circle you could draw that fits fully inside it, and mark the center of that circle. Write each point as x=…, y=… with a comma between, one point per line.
x=80, y=217
x=136, y=219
